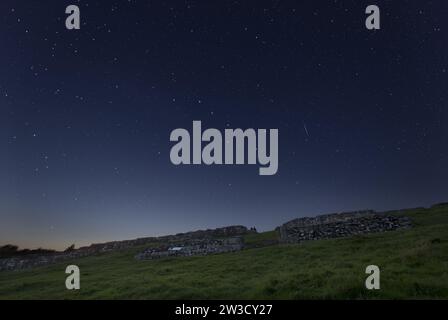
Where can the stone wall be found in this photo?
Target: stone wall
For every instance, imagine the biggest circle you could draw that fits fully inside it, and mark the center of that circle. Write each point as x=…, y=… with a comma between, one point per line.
x=199, y=247
x=213, y=240
x=339, y=225
x=30, y=261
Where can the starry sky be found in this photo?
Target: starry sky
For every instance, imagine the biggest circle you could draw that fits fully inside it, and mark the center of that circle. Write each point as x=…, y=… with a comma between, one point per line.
x=86, y=115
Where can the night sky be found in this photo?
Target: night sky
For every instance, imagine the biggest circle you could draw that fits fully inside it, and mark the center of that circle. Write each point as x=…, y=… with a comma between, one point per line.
x=86, y=115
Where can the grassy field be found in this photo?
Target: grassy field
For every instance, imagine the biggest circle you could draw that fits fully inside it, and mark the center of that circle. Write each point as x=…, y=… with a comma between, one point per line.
x=413, y=263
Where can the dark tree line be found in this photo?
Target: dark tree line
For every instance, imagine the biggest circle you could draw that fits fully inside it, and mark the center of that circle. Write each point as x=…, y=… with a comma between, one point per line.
x=9, y=251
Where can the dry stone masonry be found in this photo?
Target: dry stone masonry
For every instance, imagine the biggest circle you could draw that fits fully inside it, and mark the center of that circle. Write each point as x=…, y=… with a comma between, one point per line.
x=200, y=247
x=227, y=239
x=339, y=225
x=31, y=261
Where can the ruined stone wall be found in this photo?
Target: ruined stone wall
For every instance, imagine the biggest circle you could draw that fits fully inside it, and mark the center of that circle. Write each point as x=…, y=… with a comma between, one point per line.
x=339, y=225
x=199, y=247
x=30, y=261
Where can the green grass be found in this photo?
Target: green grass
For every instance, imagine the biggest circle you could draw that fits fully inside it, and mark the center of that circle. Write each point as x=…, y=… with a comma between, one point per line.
x=413, y=263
